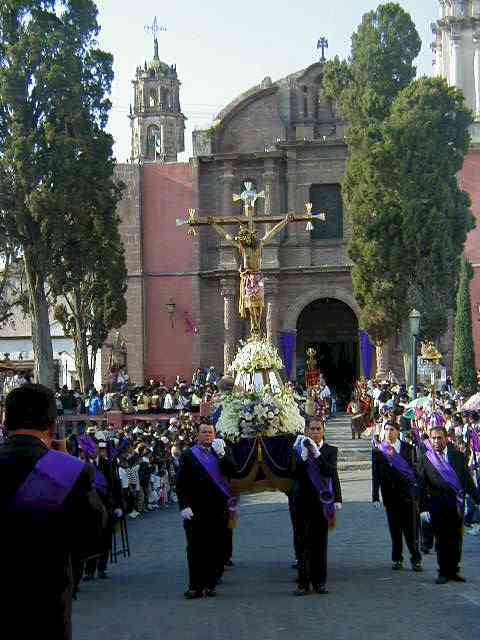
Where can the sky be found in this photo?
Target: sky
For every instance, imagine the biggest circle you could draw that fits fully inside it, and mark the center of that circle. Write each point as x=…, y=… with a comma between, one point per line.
x=221, y=49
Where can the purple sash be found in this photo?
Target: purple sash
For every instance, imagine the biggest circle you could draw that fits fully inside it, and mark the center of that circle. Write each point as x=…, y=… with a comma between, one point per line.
x=323, y=485
x=48, y=484
x=209, y=462
x=87, y=444
x=447, y=472
x=397, y=461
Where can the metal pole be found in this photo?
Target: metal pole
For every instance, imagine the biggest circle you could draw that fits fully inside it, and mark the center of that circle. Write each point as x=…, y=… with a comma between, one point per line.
x=414, y=366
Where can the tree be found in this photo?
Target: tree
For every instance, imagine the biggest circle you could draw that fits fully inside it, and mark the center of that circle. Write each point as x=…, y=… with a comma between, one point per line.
x=93, y=300
x=54, y=85
x=464, y=374
x=407, y=140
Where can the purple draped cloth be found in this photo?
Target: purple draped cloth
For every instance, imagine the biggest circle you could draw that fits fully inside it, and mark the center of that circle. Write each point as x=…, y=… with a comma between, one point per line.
x=87, y=444
x=288, y=340
x=366, y=351
x=210, y=463
x=100, y=482
x=322, y=484
x=397, y=461
x=448, y=474
x=48, y=485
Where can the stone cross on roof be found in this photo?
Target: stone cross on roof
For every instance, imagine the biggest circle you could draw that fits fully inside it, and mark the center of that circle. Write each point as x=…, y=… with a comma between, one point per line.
x=155, y=29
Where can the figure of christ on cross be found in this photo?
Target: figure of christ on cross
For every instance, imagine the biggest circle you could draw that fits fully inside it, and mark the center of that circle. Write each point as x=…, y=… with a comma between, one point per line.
x=250, y=247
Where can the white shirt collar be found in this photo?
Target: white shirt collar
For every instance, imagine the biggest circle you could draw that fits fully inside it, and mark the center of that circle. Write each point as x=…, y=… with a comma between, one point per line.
x=397, y=445
x=320, y=444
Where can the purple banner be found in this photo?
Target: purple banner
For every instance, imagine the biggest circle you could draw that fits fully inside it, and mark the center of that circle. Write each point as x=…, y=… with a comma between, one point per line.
x=367, y=351
x=288, y=343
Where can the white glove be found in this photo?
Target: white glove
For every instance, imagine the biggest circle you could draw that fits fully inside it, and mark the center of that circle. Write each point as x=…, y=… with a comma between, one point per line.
x=425, y=517
x=118, y=513
x=187, y=513
x=218, y=445
x=338, y=506
x=298, y=439
x=311, y=447
x=377, y=504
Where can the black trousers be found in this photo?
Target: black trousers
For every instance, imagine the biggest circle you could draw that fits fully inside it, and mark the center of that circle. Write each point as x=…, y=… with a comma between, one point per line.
x=403, y=522
x=227, y=544
x=291, y=509
x=205, y=535
x=100, y=561
x=448, y=530
x=311, y=528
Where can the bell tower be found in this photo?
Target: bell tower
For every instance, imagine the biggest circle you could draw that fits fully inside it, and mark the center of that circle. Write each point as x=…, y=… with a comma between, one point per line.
x=156, y=119
x=456, y=49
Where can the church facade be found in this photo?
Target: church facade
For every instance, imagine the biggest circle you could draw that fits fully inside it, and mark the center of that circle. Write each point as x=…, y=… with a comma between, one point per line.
x=286, y=138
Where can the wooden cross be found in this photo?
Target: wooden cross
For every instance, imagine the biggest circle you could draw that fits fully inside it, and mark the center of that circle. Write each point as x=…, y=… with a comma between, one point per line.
x=249, y=197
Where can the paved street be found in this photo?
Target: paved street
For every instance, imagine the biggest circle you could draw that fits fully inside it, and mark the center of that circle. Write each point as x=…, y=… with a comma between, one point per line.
x=143, y=600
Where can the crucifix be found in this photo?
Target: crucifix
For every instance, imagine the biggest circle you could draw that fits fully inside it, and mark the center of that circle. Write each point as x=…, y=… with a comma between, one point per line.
x=155, y=29
x=323, y=45
x=249, y=246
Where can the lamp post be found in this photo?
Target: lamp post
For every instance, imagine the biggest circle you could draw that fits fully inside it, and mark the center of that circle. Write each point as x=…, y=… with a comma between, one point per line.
x=414, y=320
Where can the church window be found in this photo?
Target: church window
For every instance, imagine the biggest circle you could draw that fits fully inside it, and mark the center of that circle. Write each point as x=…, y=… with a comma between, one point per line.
x=327, y=198
x=152, y=98
x=164, y=99
x=305, y=102
x=153, y=142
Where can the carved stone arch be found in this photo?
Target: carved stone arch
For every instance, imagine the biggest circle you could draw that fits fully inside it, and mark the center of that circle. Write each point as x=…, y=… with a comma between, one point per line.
x=293, y=310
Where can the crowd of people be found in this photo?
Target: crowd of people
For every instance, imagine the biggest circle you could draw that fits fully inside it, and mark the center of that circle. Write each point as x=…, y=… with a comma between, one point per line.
x=424, y=470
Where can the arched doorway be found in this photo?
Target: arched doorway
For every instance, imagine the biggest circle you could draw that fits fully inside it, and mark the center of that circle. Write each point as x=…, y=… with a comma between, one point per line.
x=331, y=327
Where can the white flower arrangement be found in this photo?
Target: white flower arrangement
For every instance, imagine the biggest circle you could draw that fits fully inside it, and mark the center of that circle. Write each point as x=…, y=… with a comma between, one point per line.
x=248, y=415
x=256, y=354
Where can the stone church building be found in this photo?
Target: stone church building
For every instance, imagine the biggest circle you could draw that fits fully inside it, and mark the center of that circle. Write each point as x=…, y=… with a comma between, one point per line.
x=284, y=136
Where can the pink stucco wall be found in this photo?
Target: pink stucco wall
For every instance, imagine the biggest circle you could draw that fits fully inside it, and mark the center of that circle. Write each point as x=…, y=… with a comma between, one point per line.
x=470, y=181
x=168, y=191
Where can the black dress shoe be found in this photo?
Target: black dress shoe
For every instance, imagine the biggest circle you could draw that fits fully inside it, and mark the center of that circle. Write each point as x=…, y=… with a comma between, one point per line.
x=457, y=578
x=191, y=594
x=88, y=577
x=322, y=590
x=441, y=580
x=397, y=566
x=210, y=593
x=301, y=591
x=295, y=565
x=229, y=563
x=102, y=575
x=417, y=567
x=425, y=550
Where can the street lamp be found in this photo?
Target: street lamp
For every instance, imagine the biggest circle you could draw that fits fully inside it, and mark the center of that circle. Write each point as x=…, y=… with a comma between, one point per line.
x=414, y=320
x=171, y=309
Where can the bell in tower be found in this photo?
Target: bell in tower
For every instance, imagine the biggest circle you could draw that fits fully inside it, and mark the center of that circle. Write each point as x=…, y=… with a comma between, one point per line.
x=157, y=122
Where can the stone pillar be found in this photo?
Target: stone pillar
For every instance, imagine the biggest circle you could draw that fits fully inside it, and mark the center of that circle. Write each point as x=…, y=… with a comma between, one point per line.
x=383, y=363
x=271, y=300
x=456, y=62
x=270, y=185
x=229, y=314
x=476, y=71
x=227, y=253
x=292, y=192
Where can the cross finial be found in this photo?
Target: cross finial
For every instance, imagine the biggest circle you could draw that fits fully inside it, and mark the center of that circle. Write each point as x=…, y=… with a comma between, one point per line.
x=155, y=29
x=323, y=45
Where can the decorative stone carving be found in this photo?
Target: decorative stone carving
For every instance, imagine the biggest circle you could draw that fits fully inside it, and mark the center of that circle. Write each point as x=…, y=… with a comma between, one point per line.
x=202, y=143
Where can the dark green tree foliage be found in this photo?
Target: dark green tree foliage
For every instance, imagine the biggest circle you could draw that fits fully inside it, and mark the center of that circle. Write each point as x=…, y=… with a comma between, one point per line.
x=464, y=375
x=55, y=159
x=407, y=140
